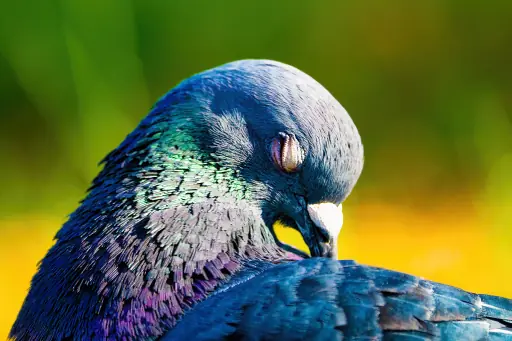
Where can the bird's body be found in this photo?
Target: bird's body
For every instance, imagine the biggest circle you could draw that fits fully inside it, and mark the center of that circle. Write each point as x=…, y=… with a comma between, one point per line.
x=174, y=240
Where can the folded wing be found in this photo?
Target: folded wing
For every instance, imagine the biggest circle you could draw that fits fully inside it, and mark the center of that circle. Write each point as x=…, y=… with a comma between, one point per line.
x=321, y=299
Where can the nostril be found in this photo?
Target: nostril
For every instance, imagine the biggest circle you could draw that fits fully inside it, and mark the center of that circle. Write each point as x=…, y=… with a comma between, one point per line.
x=328, y=220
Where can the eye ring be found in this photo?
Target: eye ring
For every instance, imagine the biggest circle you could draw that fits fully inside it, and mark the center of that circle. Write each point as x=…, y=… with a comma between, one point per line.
x=286, y=152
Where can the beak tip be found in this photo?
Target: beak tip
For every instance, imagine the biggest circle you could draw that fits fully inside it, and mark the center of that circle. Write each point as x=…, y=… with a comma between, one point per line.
x=325, y=250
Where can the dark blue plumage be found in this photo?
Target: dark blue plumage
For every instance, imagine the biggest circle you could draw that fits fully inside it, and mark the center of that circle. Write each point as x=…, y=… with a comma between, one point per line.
x=174, y=240
x=322, y=299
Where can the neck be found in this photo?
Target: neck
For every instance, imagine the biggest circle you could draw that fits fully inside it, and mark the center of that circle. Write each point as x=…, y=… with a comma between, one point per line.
x=142, y=249
x=137, y=284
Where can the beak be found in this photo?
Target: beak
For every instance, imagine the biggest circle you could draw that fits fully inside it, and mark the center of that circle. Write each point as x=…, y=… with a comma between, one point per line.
x=321, y=229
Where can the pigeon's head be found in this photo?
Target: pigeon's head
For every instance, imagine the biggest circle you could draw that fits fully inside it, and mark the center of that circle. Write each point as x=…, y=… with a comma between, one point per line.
x=285, y=136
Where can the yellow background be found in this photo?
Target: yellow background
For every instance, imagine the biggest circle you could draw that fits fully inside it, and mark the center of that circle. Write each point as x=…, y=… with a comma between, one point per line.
x=428, y=83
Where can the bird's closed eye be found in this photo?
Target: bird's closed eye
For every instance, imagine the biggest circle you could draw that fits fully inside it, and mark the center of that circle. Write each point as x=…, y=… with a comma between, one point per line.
x=286, y=152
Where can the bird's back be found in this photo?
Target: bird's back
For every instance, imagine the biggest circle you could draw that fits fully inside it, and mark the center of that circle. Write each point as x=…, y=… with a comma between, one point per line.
x=322, y=299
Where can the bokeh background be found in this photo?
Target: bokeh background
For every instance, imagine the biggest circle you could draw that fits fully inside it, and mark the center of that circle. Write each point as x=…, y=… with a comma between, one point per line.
x=428, y=83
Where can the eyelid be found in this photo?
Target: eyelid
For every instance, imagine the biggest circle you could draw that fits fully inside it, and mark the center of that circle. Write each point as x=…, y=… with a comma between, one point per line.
x=287, y=153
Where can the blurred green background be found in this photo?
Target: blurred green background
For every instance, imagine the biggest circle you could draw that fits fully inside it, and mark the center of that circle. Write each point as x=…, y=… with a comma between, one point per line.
x=428, y=83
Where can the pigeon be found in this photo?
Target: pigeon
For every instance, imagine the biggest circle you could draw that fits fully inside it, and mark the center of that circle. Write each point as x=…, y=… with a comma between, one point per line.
x=175, y=239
